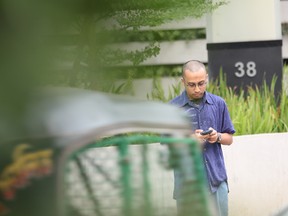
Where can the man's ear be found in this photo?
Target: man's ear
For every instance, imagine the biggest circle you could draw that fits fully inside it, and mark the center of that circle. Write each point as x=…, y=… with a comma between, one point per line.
x=182, y=80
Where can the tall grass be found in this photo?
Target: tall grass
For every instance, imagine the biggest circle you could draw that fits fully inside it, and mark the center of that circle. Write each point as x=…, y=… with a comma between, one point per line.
x=255, y=111
x=252, y=112
x=159, y=94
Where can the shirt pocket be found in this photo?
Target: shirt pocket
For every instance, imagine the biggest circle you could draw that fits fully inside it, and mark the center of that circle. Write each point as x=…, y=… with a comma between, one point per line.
x=207, y=121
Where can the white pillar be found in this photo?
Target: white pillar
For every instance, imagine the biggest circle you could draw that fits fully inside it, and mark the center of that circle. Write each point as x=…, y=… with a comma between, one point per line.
x=245, y=20
x=244, y=40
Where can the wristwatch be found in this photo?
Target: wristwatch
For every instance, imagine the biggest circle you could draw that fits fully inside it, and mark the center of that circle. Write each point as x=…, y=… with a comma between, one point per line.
x=219, y=137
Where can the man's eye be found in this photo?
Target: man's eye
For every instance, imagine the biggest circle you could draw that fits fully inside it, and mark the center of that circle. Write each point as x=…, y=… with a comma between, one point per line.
x=192, y=84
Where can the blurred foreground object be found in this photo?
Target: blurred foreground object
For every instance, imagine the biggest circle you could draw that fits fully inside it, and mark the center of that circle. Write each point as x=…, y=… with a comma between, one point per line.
x=55, y=168
x=41, y=130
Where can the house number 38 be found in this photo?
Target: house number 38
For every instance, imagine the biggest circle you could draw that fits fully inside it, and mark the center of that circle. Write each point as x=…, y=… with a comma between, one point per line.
x=249, y=69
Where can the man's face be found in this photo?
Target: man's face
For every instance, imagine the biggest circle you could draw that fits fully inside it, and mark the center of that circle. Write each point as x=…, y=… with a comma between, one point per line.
x=195, y=83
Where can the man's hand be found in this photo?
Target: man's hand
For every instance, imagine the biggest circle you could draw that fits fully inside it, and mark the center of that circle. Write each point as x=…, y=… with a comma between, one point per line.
x=211, y=138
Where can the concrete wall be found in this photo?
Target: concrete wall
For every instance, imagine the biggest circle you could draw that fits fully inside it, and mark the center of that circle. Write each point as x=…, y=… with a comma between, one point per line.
x=257, y=167
x=178, y=52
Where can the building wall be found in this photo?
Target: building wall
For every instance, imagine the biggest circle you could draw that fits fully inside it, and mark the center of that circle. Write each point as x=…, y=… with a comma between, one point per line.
x=177, y=52
x=257, y=167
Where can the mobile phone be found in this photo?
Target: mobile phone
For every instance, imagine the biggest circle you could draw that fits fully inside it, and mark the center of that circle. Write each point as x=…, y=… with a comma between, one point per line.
x=206, y=132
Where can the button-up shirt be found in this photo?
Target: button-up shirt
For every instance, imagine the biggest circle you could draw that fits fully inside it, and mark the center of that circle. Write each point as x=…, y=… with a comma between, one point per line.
x=211, y=112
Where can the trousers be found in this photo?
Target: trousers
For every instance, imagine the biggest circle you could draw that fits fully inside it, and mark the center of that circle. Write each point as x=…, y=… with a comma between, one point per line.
x=220, y=197
x=219, y=201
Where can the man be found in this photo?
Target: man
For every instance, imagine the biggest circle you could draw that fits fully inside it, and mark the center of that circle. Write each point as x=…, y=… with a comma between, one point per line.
x=207, y=111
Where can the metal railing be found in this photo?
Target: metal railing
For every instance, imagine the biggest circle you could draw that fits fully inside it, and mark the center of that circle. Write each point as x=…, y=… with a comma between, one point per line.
x=105, y=178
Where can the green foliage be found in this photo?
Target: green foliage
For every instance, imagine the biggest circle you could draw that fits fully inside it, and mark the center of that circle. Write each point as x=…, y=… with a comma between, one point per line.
x=71, y=43
x=285, y=78
x=156, y=12
x=147, y=71
x=124, y=87
x=256, y=111
x=98, y=29
x=284, y=28
x=159, y=35
x=159, y=94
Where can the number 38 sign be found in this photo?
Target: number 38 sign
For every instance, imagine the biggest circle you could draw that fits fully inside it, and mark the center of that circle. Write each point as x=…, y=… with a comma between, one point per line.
x=245, y=70
x=247, y=63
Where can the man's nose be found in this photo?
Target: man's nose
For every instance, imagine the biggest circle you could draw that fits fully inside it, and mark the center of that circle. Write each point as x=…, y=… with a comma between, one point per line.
x=197, y=88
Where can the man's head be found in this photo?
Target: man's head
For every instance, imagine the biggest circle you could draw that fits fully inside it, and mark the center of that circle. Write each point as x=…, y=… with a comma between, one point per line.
x=194, y=78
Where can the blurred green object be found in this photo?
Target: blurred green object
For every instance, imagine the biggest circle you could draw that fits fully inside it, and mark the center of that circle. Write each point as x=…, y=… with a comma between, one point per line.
x=34, y=34
x=120, y=183
x=61, y=124
x=39, y=129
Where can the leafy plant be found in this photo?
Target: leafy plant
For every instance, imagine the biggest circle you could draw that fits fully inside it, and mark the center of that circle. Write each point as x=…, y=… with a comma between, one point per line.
x=99, y=29
x=158, y=92
x=252, y=112
x=255, y=111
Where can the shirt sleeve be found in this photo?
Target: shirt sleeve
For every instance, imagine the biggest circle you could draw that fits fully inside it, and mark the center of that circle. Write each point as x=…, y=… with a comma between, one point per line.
x=227, y=125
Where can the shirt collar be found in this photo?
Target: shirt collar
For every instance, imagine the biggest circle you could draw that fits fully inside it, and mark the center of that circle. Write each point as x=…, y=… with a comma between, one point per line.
x=184, y=99
x=208, y=98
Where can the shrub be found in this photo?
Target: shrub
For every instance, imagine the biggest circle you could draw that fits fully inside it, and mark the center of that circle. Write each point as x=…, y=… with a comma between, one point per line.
x=252, y=112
